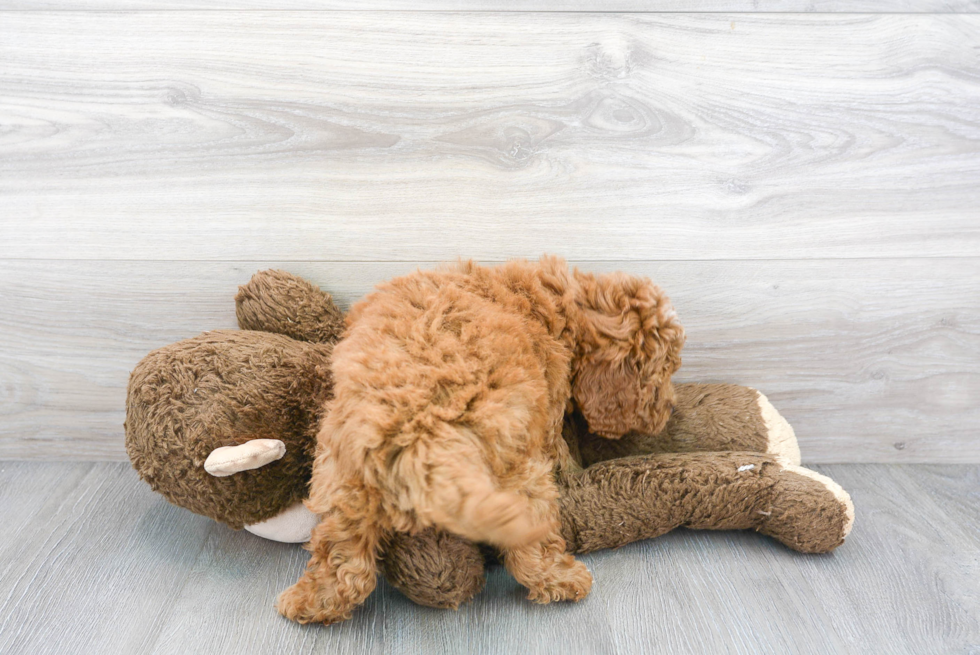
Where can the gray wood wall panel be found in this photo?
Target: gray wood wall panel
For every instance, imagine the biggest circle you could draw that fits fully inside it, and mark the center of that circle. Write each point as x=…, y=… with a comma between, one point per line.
x=870, y=360
x=807, y=187
x=635, y=6
x=379, y=136
x=100, y=564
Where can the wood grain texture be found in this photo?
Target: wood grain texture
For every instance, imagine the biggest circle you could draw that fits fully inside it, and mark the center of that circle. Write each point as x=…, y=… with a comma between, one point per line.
x=607, y=6
x=102, y=564
x=97, y=559
x=929, y=553
x=957, y=491
x=870, y=360
x=406, y=137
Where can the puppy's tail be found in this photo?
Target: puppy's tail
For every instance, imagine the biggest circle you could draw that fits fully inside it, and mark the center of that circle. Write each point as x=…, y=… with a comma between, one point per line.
x=501, y=518
x=462, y=497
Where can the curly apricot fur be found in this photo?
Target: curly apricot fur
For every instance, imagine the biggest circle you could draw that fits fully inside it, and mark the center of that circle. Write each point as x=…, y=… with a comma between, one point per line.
x=449, y=391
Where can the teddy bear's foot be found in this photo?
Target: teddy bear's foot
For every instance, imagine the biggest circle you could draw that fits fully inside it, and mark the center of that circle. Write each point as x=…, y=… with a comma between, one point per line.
x=434, y=568
x=809, y=512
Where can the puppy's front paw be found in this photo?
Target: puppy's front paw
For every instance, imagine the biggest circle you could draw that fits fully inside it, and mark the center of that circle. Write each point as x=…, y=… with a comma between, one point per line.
x=564, y=582
x=305, y=603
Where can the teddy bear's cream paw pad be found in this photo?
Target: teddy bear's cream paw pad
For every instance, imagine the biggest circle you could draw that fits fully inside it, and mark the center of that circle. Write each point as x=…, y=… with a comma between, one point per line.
x=253, y=454
x=293, y=525
x=782, y=439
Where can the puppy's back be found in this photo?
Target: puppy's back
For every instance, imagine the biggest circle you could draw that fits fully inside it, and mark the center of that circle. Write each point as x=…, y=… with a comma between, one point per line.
x=454, y=382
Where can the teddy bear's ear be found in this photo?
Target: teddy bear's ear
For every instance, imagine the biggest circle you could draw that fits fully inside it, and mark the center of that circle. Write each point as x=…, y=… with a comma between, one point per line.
x=253, y=454
x=282, y=303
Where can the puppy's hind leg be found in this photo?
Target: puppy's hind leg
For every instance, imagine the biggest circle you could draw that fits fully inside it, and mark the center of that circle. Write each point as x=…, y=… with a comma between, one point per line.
x=342, y=571
x=543, y=566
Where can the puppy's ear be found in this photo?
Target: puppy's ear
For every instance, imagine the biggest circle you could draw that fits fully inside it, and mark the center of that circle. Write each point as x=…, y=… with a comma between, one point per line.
x=608, y=396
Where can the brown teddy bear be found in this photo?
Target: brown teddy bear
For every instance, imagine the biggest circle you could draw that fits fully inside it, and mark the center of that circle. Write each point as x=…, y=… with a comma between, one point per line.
x=224, y=424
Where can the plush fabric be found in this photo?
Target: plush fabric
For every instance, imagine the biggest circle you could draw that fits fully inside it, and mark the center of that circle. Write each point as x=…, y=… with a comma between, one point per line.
x=278, y=302
x=224, y=388
x=624, y=500
x=706, y=417
x=436, y=568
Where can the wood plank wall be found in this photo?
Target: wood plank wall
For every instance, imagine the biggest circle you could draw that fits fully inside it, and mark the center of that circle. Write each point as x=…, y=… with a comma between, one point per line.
x=806, y=186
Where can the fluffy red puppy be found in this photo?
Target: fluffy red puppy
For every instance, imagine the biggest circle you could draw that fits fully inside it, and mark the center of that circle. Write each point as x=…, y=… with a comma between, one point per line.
x=449, y=392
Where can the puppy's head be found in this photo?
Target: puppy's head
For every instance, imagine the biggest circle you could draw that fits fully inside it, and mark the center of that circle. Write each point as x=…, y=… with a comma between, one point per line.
x=628, y=350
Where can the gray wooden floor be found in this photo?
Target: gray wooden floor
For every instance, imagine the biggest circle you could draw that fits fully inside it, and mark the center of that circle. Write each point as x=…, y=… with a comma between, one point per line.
x=94, y=562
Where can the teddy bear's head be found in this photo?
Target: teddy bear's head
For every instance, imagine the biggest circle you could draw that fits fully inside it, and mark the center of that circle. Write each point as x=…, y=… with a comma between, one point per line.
x=224, y=424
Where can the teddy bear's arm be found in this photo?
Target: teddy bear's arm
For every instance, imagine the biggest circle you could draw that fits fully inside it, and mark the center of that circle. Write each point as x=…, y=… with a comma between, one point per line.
x=276, y=301
x=707, y=418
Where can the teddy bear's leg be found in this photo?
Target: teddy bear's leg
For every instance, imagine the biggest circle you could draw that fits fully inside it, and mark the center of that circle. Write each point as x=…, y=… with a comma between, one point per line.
x=434, y=568
x=620, y=501
x=276, y=301
x=707, y=418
